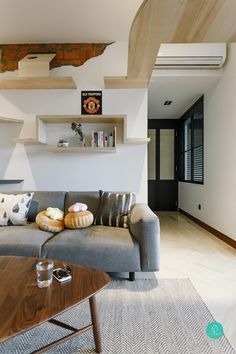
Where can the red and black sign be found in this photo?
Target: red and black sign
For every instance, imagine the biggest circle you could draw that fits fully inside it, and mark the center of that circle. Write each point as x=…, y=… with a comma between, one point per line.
x=91, y=102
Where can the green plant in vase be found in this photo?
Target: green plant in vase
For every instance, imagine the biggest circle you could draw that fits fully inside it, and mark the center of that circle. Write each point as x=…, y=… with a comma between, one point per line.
x=77, y=128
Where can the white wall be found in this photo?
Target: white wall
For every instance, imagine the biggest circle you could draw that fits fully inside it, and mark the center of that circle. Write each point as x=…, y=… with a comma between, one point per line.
x=218, y=194
x=42, y=170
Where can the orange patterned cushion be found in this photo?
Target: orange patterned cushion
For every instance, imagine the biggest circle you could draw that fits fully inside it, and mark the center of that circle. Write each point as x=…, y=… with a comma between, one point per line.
x=79, y=220
x=47, y=224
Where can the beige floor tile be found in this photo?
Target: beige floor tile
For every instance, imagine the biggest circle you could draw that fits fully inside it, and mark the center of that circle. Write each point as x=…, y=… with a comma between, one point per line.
x=187, y=250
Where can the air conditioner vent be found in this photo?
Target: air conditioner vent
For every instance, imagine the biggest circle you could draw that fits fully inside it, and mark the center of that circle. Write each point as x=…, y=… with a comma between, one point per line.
x=204, y=55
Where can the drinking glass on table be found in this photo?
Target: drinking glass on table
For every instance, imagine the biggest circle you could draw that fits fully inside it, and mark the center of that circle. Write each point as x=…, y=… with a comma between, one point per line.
x=44, y=273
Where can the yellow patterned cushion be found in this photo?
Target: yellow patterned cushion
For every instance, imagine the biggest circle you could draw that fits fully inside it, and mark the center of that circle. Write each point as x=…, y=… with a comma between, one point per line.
x=79, y=220
x=45, y=223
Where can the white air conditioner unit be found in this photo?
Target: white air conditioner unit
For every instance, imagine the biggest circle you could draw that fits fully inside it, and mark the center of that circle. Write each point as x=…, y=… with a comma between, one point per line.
x=191, y=56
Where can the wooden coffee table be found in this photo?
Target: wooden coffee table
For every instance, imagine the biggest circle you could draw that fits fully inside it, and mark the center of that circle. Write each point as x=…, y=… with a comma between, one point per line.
x=23, y=305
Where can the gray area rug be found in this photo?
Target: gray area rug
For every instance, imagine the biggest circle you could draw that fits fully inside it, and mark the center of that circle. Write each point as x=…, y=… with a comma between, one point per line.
x=145, y=316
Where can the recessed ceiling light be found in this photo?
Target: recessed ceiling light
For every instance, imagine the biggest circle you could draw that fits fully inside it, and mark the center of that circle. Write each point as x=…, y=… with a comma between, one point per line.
x=167, y=103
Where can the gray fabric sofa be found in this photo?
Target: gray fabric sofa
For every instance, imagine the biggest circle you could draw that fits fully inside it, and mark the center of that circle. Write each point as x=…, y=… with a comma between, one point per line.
x=111, y=249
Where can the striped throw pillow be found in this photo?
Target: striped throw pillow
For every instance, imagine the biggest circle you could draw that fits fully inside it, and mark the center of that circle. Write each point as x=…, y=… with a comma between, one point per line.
x=114, y=209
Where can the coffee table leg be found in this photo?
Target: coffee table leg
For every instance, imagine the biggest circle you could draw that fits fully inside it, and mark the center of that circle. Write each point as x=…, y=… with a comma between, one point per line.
x=95, y=322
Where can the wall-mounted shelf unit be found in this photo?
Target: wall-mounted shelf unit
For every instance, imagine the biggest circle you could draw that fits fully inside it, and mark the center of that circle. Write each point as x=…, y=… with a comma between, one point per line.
x=10, y=120
x=11, y=181
x=45, y=128
x=105, y=123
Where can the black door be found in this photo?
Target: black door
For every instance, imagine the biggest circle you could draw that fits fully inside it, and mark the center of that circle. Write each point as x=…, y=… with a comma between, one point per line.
x=162, y=164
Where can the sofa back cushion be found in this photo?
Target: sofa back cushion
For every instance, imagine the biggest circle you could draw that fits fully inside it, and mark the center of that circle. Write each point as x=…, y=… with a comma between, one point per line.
x=44, y=199
x=89, y=198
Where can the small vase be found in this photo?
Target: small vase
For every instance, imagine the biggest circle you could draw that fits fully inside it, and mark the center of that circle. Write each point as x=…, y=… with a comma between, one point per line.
x=81, y=143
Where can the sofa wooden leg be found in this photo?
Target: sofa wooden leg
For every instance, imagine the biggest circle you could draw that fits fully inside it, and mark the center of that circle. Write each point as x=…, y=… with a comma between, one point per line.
x=131, y=276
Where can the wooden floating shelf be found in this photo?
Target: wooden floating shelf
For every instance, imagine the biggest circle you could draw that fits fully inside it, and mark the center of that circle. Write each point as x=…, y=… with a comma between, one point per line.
x=81, y=149
x=10, y=120
x=137, y=140
x=28, y=141
x=10, y=181
x=84, y=118
x=61, y=82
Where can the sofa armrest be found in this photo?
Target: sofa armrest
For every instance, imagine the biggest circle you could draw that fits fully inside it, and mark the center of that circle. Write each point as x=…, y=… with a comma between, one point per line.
x=145, y=228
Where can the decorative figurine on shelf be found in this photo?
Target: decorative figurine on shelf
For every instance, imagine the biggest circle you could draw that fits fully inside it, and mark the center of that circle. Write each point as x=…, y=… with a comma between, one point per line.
x=62, y=143
x=77, y=128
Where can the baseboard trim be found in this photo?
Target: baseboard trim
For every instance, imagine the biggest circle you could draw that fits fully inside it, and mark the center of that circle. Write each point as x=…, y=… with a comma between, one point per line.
x=213, y=231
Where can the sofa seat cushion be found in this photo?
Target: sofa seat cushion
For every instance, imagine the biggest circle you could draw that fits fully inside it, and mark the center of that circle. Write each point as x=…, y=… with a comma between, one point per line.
x=110, y=249
x=22, y=240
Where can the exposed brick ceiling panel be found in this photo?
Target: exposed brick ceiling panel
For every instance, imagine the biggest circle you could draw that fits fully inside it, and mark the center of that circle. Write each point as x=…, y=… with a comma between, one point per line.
x=74, y=54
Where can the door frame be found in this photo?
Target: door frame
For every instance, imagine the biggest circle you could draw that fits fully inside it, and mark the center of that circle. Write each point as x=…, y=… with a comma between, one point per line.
x=166, y=124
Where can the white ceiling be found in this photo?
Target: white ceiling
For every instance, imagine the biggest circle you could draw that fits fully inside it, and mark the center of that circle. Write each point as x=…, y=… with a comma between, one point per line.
x=40, y=21
x=182, y=87
x=34, y=21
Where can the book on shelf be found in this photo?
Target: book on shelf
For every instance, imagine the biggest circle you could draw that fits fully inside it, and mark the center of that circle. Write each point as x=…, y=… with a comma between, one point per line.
x=103, y=138
x=106, y=139
x=114, y=136
x=110, y=140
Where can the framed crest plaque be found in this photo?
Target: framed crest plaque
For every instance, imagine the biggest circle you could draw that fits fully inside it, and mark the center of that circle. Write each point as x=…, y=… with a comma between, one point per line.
x=91, y=102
